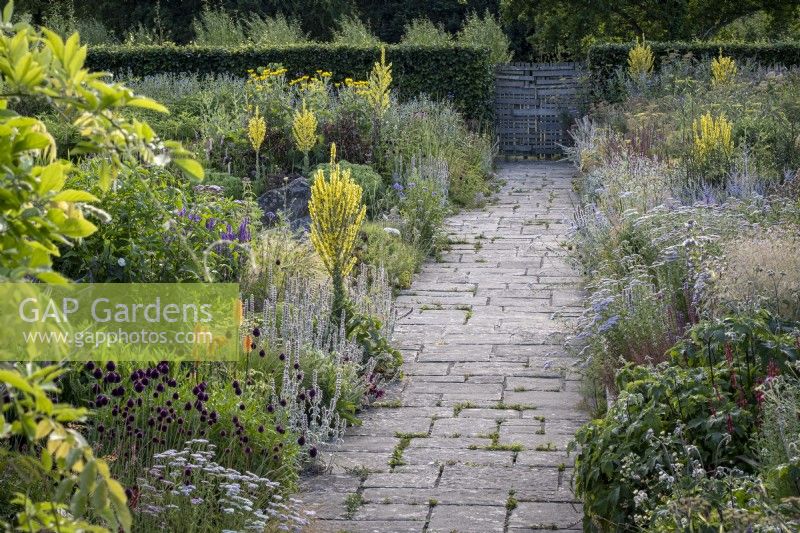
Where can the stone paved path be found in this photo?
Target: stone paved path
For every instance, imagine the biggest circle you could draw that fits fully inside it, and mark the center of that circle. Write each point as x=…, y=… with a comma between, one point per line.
x=474, y=438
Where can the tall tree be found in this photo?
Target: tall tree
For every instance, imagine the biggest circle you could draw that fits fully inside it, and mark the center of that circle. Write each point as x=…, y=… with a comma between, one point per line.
x=571, y=25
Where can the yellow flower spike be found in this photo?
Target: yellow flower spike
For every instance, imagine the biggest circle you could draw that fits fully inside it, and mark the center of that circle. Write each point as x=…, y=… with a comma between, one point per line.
x=712, y=136
x=256, y=130
x=723, y=70
x=640, y=60
x=378, y=85
x=304, y=130
x=337, y=214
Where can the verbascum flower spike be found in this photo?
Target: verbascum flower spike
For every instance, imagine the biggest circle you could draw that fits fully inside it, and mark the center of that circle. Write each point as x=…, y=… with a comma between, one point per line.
x=337, y=213
x=712, y=135
x=640, y=60
x=723, y=70
x=304, y=131
x=378, y=86
x=256, y=130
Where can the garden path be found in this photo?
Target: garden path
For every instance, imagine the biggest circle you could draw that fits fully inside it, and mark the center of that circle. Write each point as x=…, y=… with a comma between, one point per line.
x=474, y=438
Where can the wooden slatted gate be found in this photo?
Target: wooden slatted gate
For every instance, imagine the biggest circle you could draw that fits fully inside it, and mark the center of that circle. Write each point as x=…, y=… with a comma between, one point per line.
x=535, y=104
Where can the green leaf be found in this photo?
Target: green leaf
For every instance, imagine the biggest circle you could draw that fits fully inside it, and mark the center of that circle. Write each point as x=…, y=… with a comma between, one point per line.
x=190, y=167
x=147, y=103
x=15, y=379
x=74, y=195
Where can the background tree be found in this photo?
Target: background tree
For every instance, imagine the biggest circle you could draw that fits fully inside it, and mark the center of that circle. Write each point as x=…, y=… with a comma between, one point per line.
x=570, y=26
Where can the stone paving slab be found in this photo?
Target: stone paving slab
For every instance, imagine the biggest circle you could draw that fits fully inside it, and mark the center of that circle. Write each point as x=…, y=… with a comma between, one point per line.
x=491, y=396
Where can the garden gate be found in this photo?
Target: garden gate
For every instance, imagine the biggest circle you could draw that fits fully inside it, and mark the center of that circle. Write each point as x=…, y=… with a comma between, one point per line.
x=535, y=104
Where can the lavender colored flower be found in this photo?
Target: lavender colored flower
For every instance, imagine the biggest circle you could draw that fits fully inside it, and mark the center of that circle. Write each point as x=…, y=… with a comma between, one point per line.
x=228, y=234
x=243, y=234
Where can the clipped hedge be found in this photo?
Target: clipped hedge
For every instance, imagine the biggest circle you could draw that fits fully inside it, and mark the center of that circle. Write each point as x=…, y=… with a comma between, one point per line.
x=604, y=59
x=462, y=74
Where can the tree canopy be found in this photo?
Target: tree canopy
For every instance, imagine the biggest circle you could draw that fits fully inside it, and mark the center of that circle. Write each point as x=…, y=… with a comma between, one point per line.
x=569, y=26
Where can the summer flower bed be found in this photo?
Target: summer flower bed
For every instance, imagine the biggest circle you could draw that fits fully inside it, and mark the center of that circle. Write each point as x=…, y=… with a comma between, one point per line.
x=93, y=194
x=689, y=238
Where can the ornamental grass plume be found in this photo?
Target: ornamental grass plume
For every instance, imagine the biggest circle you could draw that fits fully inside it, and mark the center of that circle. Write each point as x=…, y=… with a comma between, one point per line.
x=712, y=136
x=723, y=70
x=304, y=131
x=640, y=60
x=337, y=213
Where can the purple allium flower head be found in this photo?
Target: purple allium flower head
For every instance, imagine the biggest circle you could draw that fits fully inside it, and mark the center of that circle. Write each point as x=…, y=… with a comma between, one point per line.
x=111, y=366
x=98, y=373
x=89, y=366
x=312, y=452
x=397, y=187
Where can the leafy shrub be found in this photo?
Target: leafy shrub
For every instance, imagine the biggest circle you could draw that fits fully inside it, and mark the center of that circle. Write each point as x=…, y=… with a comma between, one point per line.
x=423, y=206
x=382, y=248
x=217, y=27
x=423, y=32
x=275, y=31
x=351, y=30
x=425, y=130
x=677, y=423
x=371, y=183
x=486, y=32
x=669, y=425
x=131, y=244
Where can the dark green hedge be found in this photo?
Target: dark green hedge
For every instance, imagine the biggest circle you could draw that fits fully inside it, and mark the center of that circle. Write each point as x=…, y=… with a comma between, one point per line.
x=604, y=59
x=462, y=74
